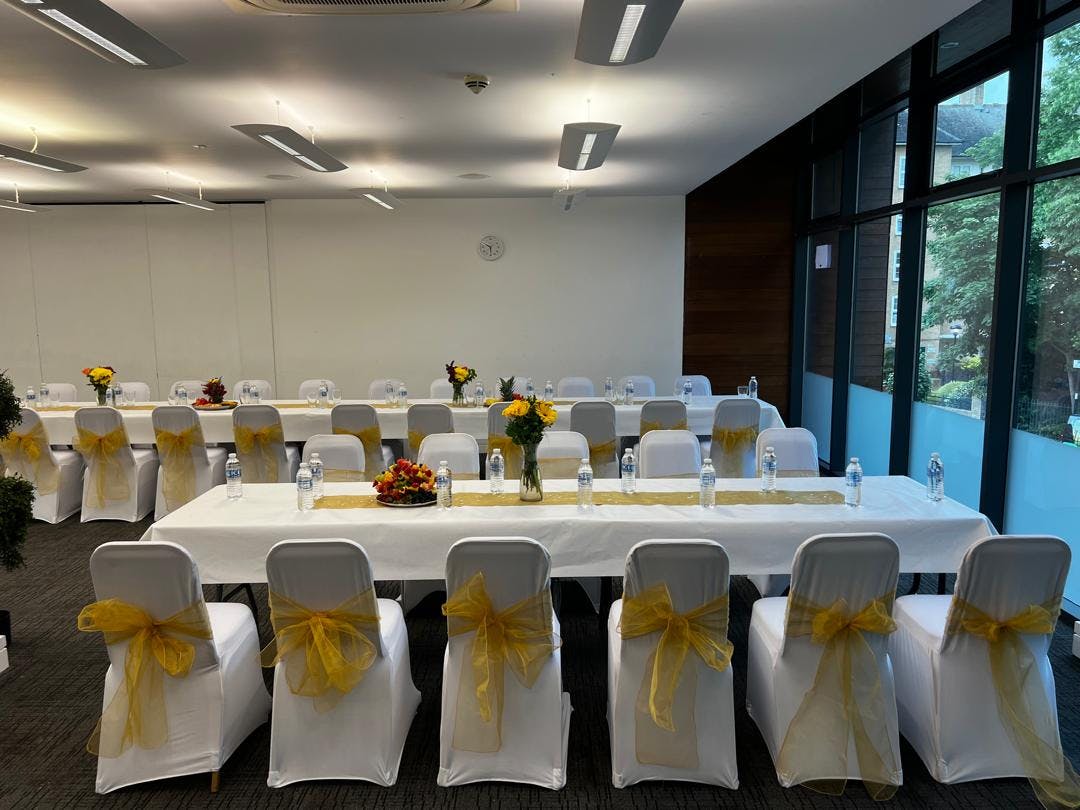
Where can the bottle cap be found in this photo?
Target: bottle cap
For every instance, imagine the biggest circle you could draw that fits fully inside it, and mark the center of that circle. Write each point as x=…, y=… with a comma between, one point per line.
x=854, y=459
x=707, y=461
x=304, y=465
x=934, y=455
x=769, y=450
x=585, y=461
x=496, y=452
x=232, y=455
x=314, y=456
x=442, y=463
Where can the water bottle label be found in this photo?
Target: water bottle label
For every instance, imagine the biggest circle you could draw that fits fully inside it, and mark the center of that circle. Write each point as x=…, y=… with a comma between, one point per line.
x=442, y=481
x=708, y=480
x=584, y=479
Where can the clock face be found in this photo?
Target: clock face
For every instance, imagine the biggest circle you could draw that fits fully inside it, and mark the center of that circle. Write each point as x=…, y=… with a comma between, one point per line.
x=490, y=248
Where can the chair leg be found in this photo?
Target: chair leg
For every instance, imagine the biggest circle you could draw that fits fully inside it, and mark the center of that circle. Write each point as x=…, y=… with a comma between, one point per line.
x=941, y=584
x=916, y=583
x=215, y=781
x=220, y=593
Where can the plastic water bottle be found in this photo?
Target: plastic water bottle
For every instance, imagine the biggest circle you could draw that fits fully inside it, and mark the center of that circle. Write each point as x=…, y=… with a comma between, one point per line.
x=305, y=495
x=31, y=398
x=628, y=392
x=43, y=396
x=708, y=484
x=316, y=465
x=391, y=397
x=753, y=388
x=584, y=485
x=245, y=394
x=403, y=396
x=530, y=391
x=478, y=394
x=444, y=486
x=496, y=471
x=629, y=472
x=549, y=391
x=853, y=483
x=110, y=397
x=609, y=389
x=256, y=395
x=687, y=392
x=234, y=482
x=935, y=478
x=181, y=395
x=768, y=470
x=324, y=394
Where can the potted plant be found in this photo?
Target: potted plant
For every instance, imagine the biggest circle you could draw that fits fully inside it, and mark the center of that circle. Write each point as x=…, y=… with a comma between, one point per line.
x=526, y=420
x=16, y=498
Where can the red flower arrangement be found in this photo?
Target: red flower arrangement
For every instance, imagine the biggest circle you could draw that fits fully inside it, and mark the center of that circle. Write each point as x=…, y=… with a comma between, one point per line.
x=405, y=483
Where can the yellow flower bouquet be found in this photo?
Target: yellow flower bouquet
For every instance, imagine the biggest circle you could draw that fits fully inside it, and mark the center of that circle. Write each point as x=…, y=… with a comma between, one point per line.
x=526, y=421
x=458, y=376
x=99, y=378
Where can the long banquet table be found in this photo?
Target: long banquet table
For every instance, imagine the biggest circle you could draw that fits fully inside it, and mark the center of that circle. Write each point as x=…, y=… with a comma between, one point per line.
x=229, y=539
x=300, y=422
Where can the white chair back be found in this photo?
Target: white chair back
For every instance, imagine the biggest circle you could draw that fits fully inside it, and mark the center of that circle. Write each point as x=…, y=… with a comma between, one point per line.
x=256, y=417
x=140, y=390
x=266, y=391
x=62, y=392
x=441, y=389
x=194, y=389
x=377, y=388
x=596, y=422
x=337, y=453
x=425, y=420
x=459, y=450
x=354, y=418
x=736, y=414
x=312, y=387
x=695, y=571
x=796, y=452
x=102, y=421
x=644, y=387
x=573, y=387
x=662, y=414
x=514, y=567
x=560, y=453
x=669, y=454
x=28, y=421
x=702, y=387
x=177, y=418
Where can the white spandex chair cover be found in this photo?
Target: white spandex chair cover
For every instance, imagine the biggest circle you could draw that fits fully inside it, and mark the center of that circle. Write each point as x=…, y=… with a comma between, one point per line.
x=209, y=462
x=536, y=721
x=459, y=450
x=312, y=387
x=945, y=693
x=441, y=389
x=644, y=387
x=64, y=500
x=140, y=390
x=596, y=422
x=195, y=387
x=377, y=388
x=342, y=456
x=62, y=392
x=497, y=432
x=220, y=701
x=353, y=418
x=660, y=414
x=560, y=453
x=288, y=456
x=574, y=387
x=426, y=420
x=695, y=572
x=702, y=387
x=734, y=414
x=669, y=454
x=140, y=466
x=857, y=568
x=362, y=736
x=266, y=391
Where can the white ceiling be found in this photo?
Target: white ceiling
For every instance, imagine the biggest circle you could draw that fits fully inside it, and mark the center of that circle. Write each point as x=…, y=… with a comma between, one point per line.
x=385, y=94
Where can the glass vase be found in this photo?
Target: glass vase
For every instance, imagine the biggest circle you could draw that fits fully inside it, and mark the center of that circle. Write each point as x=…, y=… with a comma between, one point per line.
x=459, y=396
x=532, y=486
x=100, y=396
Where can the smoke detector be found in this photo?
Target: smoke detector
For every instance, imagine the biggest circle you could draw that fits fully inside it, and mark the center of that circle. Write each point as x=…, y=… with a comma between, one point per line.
x=316, y=7
x=477, y=83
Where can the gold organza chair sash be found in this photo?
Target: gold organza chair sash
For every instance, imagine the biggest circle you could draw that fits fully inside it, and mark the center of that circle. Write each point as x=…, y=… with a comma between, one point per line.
x=559, y=467
x=371, y=438
x=258, y=451
x=339, y=475
x=601, y=454
x=28, y=452
x=845, y=700
x=649, y=424
x=136, y=715
x=177, y=463
x=519, y=637
x=669, y=686
x=1021, y=699
x=326, y=652
x=416, y=438
x=511, y=452
x=734, y=440
x=108, y=480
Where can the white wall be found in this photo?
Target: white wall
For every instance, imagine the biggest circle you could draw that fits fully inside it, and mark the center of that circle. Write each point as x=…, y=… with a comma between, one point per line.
x=333, y=288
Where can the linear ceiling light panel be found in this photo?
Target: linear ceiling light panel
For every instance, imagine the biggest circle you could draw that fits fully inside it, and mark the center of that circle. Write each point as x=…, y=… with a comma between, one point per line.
x=586, y=145
x=379, y=197
x=12, y=205
x=618, y=32
x=13, y=153
x=169, y=195
x=293, y=145
x=99, y=29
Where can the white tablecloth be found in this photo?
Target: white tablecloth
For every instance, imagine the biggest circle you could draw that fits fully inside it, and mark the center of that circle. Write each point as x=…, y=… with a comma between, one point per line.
x=300, y=424
x=229, y=539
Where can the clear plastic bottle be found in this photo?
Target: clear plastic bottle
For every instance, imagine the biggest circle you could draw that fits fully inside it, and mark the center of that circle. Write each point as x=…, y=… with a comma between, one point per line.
x=609, y=389
x=629, y=472
x=707, y=481
x=110, y=397
x=496, y=471
x=853, y=482
x=256, y=395
x=444, y=486
x=935, y=478
x=31, y=398
x=305, y=496
x=768, y=470
x=391, y=397
x=316, y=465
x=403, y=396
x=753, y=388
x=43, y=396
x=549, y=391
x=245, y=394
x=585, y=485
x=628, y=393
x=479, y=394
x=234, y=482
x=324, y=394
x=687, y=392
x=530, y=389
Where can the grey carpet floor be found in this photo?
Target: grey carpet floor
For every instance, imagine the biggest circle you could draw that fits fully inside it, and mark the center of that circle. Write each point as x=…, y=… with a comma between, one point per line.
x=50, y=698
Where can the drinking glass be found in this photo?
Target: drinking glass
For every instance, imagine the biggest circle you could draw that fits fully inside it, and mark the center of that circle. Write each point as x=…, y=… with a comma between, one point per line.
x=129, y=396
x=335, y=395
x=312, y=398
x=744, y=390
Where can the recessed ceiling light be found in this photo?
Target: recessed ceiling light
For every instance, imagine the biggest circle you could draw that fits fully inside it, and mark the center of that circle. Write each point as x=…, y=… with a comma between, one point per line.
x=586, y=145
x=173, y=196
x=199, y=146
x=474, y=176
x=293, y=145
x=37, y=160
x=618, y=32
x=378, y=197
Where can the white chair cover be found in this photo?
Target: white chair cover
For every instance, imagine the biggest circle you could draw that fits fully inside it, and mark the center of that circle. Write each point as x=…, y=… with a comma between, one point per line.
x=560, y=453
x=669, y=454
x=695, y=572
x=195, y=387
x=288, y=456
x=945, y=693
x=62, y=392
x=574, y=387
x=312, y=387
x=140, y=390
x=342, y=456
x=644, y=387
x=536, y=721
x=140, y=466
x=458, y=450
x=425, y=420
x=734, y=414
x=497, y=428
x=362, y=736
x=377, y=388
x=355, y=417
x=857, y=568
x=266, y=391
x=596, y=422
x=209, y=462
x=702, y=387
x=796, y=452
x=65, y=499
x=221, y=700
x=662, y=414
x=441, y=389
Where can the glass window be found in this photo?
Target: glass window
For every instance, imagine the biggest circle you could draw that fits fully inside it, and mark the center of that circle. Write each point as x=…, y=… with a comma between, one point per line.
x=820, y=339
x=954, y=342
x=972, y=31
x=1059, y=101
x=1052, y=5
x=970, y=132
x=827, y=184
x=889, y=81
x=896, y=265
x=881, y=161
x=901, y=171
x=899, y=224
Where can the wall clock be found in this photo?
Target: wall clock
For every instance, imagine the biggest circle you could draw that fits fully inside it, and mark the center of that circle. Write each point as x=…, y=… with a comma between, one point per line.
x=490, y=248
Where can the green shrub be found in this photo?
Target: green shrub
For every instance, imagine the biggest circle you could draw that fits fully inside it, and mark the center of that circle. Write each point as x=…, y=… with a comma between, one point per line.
x=16, y=494
x=9, y=406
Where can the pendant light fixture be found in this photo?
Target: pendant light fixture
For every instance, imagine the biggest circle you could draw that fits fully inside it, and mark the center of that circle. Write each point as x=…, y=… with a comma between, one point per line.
x=623, y=32
x=585, y=145
x=36, y=159
x=169, y=194
x=18, y=205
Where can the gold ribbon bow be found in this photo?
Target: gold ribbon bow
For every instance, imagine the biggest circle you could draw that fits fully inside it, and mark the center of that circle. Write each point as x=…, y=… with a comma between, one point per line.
x=519, y=637
x=326, y=652
x=648, y=425
x=511, y=453
x=29, y=453
x=339, y=475
x=257, y=449
x=601, y=455
x=136, y=714
x=1021, y=700
x=728, y=447
x=845, y=700
x=669, y=686
x=177, y=465
x=416, y=438
x=371, y=438
x=565, y=467
x=108, y=478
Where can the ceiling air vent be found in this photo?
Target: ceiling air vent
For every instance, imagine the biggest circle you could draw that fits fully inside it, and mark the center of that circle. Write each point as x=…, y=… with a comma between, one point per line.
x=309, y=7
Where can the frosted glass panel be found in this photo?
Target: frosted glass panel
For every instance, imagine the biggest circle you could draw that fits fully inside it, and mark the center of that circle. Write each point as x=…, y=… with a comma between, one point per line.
x=958, y=437
x=869, y=428
x=817, y=410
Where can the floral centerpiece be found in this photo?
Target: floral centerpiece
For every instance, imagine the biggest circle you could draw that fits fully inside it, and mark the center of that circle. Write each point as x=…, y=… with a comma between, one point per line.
x=99, y=378
x=526, y=420
x=213, y=395
x=458, y=376
x=405, y=484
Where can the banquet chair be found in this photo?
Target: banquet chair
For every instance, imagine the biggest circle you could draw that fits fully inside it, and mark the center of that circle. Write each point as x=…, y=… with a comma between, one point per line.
x=356, y=733
x=377, y=388
x=194, y=389
x=682, y=577
x=526, y=738
x=423, y=421
x=188, y=467
x=596, y=422
x=57, y=475
x=843, y=583
x=362, y=422
x=260, y=446
x=342, y=456
x=459, y=450
x=63, y=392
x=312, y=387
x=950, y=707
x=560, y=452
x=212, y=708
x=574, y=387
x=702, y=387
x=669, y=454
x=734, y=435
x=497, y=439
x=441, y=389
x=644, y=387
x=120, y=480
x=140, y=389
x=266, y=391
x=659, y=414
